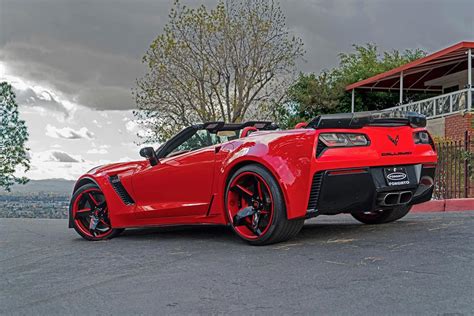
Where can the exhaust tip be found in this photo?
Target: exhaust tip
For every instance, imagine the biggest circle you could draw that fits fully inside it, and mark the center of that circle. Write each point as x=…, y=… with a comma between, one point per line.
x=405, y=197
x=396, y=198
x=427, y=181
x=391, y=199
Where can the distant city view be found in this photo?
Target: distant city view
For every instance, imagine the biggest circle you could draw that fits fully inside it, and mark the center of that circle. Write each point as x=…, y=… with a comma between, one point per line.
x=37, y=199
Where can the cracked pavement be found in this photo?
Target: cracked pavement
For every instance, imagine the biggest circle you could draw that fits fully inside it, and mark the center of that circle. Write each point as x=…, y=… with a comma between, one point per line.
x=422, y=264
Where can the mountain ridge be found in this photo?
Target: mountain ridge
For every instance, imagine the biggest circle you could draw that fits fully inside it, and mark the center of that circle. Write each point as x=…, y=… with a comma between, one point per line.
x=53, y=185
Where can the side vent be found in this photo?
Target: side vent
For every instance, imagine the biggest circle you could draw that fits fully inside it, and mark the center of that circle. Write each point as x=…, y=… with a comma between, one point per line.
x=120, y=190
x=320, y=148
x=315, y=189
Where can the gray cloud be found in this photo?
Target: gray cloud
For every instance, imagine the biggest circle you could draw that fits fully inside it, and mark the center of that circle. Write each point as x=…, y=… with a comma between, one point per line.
x=68, y=133
x=61, y=156
x=55, y=156
x=90, y=51
x=97, y=80
x=329, y=27
x=44, y=99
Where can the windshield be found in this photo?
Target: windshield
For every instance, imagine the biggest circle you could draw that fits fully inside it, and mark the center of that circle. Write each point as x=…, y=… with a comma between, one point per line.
x=208, y=134
x=200, y=139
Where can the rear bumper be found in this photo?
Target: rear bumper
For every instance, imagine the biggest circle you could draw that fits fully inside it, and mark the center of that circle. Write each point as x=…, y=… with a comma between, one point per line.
x=366, y=189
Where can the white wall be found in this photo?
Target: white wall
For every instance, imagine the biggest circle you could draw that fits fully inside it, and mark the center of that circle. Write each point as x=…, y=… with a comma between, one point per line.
x=457, y=78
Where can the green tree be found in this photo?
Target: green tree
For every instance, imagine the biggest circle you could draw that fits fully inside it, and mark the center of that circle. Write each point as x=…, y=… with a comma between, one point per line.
x=13, y=136
x=315, y=94
x=365, y=62
x=311, y=94
x=228, y=63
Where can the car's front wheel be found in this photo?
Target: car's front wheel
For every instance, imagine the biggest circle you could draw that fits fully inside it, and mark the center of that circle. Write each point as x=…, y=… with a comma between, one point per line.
x=90, y=215
x=256, y=208
x=382, y=216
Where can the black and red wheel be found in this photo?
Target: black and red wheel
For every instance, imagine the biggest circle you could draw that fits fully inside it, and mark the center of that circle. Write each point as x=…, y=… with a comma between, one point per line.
x=382, y=216
x=90, y=214
x=256, y=208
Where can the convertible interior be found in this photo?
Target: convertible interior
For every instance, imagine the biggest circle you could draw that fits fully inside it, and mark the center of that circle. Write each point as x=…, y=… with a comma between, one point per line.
x=208, y=134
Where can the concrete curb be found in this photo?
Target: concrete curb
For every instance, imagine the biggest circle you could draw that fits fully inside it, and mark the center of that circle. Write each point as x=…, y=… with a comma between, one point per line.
x=450, y=205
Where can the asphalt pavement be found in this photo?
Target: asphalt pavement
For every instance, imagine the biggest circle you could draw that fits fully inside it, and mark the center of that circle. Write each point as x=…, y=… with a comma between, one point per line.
x=422, y=264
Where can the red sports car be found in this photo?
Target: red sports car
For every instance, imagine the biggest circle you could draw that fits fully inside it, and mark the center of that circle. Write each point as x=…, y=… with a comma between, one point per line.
x=264, y=182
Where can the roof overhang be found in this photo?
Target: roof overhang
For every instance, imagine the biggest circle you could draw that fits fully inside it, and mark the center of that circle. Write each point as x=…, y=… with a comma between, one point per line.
x=444, y=62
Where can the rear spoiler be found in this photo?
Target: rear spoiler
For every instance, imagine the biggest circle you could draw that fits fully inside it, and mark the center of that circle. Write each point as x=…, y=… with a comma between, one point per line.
x=361, y=119
x=214, y=127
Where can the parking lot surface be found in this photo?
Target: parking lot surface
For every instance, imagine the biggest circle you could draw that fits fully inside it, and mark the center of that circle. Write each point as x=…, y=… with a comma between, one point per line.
x=422, y=264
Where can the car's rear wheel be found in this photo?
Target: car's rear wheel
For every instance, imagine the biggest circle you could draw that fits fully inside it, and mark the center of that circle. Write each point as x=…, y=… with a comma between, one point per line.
x=90, y=214
x=256, y=208
x=382, y=216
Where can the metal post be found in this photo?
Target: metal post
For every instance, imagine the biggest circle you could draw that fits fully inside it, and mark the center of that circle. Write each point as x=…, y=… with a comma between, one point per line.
x=450, y=103
x=466, y=164
x=401, y=87
x=353, y=101
x=469, y=79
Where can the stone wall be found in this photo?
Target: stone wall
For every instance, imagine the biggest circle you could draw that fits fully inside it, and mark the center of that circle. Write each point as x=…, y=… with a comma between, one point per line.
x=457, y=124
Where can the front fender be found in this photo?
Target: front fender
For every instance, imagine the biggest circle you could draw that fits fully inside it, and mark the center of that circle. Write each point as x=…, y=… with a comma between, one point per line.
x=118, y=210
x=83, y=180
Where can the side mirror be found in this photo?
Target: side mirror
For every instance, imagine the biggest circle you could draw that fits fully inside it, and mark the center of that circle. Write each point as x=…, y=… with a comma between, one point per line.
x=149, y=153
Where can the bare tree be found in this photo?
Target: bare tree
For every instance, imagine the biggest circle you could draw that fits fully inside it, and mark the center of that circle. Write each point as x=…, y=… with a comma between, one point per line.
x=228, y=63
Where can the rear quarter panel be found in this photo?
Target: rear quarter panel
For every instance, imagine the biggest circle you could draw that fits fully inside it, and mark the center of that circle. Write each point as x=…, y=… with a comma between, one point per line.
x=287, y=155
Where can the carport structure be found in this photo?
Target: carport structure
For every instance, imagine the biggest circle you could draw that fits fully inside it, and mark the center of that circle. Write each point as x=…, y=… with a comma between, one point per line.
x=447, y=73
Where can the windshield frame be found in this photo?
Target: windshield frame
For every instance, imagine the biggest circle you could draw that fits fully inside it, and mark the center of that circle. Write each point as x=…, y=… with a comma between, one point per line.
x=212, y=127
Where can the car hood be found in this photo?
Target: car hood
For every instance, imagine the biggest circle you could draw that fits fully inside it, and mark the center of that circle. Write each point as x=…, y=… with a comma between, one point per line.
x=117, y=168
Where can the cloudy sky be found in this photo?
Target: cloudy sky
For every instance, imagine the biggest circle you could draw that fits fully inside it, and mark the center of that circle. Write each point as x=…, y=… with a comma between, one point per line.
x=73, y=63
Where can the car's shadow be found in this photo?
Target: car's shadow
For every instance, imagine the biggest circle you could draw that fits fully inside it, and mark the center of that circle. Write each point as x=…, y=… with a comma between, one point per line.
x=311, y=231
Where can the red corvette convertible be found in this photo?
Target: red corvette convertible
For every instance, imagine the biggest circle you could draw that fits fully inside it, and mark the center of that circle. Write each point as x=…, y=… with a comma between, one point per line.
x=262, y=181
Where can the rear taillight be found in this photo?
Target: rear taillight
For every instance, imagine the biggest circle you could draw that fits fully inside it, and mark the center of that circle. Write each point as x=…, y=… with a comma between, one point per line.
x=423, y=137
x=343, y=139
x=335, y=140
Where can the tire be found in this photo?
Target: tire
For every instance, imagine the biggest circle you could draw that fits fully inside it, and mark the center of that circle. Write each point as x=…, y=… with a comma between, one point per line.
x=90, y=196
x=278, y=228
x=383, y=216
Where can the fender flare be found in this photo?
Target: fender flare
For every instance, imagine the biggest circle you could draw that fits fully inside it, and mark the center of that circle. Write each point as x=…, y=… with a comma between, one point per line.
x=294, y=176
x=79, y=183
x=82, y=181
x=247, y=160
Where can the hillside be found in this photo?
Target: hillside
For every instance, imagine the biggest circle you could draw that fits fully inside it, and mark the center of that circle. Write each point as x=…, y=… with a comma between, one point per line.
x=57, y=186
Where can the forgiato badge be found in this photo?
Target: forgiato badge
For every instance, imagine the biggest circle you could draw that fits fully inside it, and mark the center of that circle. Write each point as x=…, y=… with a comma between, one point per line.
x=399, y=183
x=396, y=176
